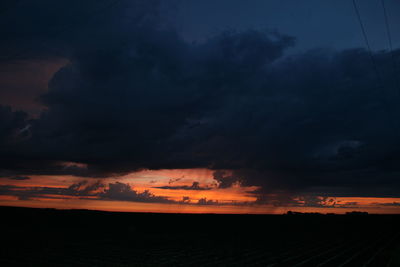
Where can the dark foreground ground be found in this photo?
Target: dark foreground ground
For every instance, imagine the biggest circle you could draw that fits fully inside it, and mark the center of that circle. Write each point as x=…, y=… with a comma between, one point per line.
x=45, y=237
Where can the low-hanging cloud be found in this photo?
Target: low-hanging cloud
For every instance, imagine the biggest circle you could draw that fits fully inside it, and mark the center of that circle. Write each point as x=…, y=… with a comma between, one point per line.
x=95, y=191
x=193, y=186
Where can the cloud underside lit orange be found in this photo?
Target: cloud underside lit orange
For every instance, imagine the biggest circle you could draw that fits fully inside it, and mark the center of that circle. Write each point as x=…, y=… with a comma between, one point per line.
x=170, y=191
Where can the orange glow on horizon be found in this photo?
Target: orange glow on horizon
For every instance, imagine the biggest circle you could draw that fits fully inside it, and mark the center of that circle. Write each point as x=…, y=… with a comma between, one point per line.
x=173, y=185
x=123, y=206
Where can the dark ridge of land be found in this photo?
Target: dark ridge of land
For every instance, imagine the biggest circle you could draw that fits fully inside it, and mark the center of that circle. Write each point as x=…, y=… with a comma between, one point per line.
x=49, y=237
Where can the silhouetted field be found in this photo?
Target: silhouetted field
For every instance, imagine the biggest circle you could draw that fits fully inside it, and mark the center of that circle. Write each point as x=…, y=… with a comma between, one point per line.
x=46, y=237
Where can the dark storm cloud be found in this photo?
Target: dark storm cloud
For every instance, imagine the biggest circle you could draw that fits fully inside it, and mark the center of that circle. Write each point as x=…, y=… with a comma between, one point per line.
x=136, y=96
x=136, y=114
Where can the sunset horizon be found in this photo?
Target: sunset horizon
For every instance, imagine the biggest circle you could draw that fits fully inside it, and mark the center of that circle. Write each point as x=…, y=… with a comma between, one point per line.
x=172, y=191
x=125, y=124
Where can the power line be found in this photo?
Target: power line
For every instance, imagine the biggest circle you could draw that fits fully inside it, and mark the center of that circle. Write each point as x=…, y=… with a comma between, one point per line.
x=378, y=77
x=387, y=25
x=388, y=108
x=390, y=45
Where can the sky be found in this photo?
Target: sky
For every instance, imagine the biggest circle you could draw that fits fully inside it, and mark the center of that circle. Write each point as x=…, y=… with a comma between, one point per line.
x=200, y=106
